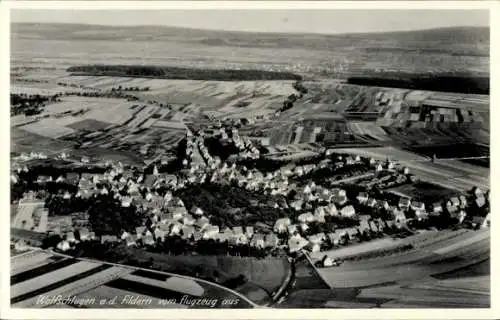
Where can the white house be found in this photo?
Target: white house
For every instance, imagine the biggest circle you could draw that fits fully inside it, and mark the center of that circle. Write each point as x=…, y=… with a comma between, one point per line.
x=159, y=233
x=187, y=232
x=202, y=222
x=124, y=235
x=281, y=225
x=296, y=243
x=297, y=205
x=362, y=197
x=84, y=234
x=317, y=238
x=210, y=232
x=347, y=211
x=249, y=231
x=331, y=209
x=404, y=203
x=418, y=206
x=306, y=217
x=437, y=208
x=188, y=220
x=196, y=211
x=148, y=240
x=63, y=245
x=131, y=240
x=271, y=240
x=486, y=221
x=175, y=228
x=292, y=229
x=258, y=241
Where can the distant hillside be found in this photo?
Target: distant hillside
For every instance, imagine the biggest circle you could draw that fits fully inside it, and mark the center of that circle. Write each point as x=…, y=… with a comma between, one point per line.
x=462, y=50
x=458, y=40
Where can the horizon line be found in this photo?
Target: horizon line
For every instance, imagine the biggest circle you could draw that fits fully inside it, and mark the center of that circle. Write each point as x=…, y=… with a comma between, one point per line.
x=250, y=31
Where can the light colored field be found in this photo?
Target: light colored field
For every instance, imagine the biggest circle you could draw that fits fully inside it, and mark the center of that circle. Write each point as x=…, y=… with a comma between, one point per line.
x=25, y=213
x=460, y=177
x=170, y=125
x=52, y=127
x=368, y=128
x=37, y=88
x=459, y=242
x=183, y=285
x=382, y=153
x=21, y=120
x=115, y=111
x=357, y=249
x=51, y=277
x=475, y=285
x=80, y=286
x=261, y=95
x=440, y=294
x=468, y=247
x=417, y=95
x=143, y=115
x=21, y=263
x=166, y=86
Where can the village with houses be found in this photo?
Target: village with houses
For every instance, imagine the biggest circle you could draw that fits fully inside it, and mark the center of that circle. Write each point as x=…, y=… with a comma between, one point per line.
x=249, y=170
x=308, y=216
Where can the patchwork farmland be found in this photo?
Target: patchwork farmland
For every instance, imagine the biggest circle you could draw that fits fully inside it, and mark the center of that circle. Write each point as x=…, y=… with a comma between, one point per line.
x=37, y=275
x=433, y=253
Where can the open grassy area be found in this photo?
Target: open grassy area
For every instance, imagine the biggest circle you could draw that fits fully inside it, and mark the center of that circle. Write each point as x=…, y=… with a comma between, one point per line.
x=264, y=276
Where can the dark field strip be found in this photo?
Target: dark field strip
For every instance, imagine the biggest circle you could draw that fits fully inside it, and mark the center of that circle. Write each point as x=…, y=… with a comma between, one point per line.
x=59, y=284
x=151, y=275
x=479, y=269
x=38, y=271
x=146, y=289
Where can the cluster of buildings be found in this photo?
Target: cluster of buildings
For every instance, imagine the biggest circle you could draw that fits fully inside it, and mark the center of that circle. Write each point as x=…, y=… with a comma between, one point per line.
x=168, y=215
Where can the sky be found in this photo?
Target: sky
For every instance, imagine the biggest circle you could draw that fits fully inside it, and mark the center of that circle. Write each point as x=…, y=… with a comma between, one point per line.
x=332, y=21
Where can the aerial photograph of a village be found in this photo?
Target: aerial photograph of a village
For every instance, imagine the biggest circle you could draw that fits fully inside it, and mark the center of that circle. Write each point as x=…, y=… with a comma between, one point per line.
x=249, y=159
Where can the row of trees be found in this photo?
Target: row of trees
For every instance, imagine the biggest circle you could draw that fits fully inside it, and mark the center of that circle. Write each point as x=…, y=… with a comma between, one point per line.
x=29, y=104
x=165, y=72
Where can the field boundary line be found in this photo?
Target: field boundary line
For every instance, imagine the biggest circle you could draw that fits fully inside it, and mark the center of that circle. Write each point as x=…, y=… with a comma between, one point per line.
x=253, y=304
